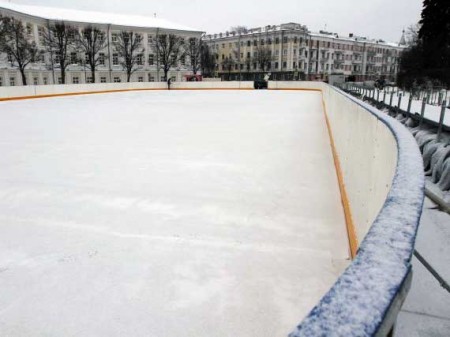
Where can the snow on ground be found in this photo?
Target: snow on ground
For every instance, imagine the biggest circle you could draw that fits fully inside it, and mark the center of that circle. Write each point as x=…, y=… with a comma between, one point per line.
x=432, y=112
x=426, y=309
x=166, y=214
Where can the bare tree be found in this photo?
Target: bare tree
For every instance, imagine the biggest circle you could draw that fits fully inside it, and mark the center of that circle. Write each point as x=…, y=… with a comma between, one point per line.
x=239, y=30
x=129, y=49
x=15, y=43
x=193, y=52
x=207, y=60
x=169, y=49
x=91, y=41
x=59, y=40
x=412, y=35
x=263, y=57
x=228, y=64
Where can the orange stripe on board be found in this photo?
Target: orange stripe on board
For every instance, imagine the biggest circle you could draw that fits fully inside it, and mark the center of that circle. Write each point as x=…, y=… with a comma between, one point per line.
x=18, y=98
x=351, y=232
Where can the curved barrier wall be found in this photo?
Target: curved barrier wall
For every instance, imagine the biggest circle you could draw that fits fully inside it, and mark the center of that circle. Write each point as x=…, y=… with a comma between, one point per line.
x=383, y=176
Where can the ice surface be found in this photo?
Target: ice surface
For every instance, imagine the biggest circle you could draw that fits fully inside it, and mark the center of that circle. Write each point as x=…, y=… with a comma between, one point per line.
x=166, y=214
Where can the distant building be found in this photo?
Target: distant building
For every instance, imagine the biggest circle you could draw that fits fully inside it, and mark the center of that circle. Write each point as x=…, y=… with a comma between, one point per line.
x=45, y=70
x=297, y=53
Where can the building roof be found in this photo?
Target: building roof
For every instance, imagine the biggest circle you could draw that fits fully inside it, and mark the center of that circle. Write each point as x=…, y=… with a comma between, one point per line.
x=353, y=38
x=71, y=15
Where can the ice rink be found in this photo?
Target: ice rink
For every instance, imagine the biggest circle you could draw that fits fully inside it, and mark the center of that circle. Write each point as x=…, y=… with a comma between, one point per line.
x=181, y=213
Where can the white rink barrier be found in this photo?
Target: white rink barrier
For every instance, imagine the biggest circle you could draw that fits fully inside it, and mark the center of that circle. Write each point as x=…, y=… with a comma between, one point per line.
x=68, y=89
x=383, y=175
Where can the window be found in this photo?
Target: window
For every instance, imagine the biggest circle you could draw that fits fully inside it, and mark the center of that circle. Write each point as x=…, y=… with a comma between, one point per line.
x=276, y=65
x=114, y=37
x=29, y=29
x=277, y=40
x=115, y=59
x=57, y=58
x=248, y=54
x=151, y=59
x=149, y=39
x=294, y=65
x=255, y=43
x=12, y=81
x=262, y=42
x=89, y=79
x=73, y=58
x=59, y=80
x=41, y=32
x=284, y=64
x=102, y=79
x=101, y=59
x=295, y=39
x=35, y=81
x=151, y=78
x=269, y=41
x=116, y=79
x=277, y=52
x=285, y=52
x=285, y=39
x=248, y=43
x=295, y=51
x=86, y=57
x=140, y=79
x=41, y=57
x=10, y=58
x=75, y=80
x=45, y=80
x=140, y=59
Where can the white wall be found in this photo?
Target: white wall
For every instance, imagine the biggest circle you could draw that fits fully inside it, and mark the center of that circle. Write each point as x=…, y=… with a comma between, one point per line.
x=29, y=91
x=367, y=151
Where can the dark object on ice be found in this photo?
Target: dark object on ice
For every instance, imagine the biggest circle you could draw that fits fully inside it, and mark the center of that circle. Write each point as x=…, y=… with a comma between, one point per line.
x=261, y=84
x=169, y=81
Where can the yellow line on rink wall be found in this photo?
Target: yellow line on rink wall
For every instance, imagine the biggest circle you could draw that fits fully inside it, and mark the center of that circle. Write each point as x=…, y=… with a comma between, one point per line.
x=351, y=229
x=19, y=98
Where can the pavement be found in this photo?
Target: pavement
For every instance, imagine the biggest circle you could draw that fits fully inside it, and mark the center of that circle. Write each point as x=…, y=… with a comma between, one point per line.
x=426, y=312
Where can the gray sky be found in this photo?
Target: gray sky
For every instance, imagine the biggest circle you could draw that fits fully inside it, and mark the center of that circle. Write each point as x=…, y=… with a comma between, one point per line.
x=383, y=19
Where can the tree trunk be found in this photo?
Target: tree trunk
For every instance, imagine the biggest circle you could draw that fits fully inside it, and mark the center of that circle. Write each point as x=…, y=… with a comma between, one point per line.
x=128, y=76
x=63, y=74
x=93, y=74
x=24, y=78
x=166, y=71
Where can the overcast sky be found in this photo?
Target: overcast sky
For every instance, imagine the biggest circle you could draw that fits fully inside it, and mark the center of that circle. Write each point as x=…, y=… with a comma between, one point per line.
x=383, y=19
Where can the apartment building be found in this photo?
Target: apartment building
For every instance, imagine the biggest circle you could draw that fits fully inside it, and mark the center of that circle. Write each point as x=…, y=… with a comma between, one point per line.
x=297, y=53
x=45, y=69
